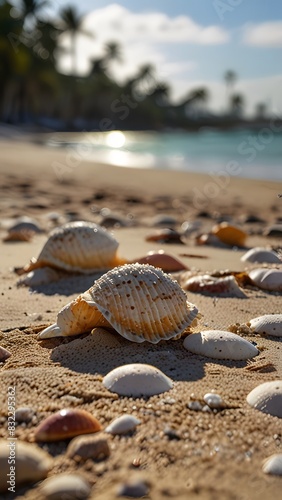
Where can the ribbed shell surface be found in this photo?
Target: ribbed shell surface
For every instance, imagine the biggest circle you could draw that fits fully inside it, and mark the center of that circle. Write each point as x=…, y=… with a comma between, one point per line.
x=79, y=246
x=142, y=303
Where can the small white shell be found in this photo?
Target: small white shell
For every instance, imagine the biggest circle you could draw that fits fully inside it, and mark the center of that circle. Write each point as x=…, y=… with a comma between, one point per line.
x=269, y=324
x=259, y=254
x=210, y=285
x=213, y=400
x=137, y=380
x=139, y=301
x=39, y=277
x=273, y=465
x=219, y=344
x=123, y=425
x=267, y=279
x=77, y=247
x=267, y=398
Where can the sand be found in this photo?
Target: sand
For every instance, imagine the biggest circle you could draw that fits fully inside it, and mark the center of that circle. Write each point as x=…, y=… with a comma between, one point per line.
x=180, y=453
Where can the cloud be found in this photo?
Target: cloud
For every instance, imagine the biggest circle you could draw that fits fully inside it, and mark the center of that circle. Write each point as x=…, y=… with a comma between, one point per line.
x=144, y=37
x=267, y=34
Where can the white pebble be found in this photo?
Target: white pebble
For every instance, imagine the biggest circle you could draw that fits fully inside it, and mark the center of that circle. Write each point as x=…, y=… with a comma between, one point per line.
x=122, y=425
x=213, y=400
x=273, y=465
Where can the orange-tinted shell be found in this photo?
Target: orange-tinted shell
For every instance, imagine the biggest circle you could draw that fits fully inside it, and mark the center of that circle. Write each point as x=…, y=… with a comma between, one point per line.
x=66, y=424
x=230, y=235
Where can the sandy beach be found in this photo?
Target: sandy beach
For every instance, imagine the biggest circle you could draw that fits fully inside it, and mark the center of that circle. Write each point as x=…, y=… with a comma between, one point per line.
x=205, y=455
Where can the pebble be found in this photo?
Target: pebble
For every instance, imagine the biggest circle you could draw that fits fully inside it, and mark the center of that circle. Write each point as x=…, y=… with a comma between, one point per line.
x=123, y=425
x=65, y=486
x=274, y=231
x=136, y=488
x=93, y=446
x=24, y=414
x=32, y=463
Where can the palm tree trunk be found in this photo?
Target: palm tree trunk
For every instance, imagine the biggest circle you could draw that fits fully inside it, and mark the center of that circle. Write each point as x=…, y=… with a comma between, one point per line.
x=73, y=53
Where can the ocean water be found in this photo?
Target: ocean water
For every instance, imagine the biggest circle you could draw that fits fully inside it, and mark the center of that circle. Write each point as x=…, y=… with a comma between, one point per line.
x=242, y=153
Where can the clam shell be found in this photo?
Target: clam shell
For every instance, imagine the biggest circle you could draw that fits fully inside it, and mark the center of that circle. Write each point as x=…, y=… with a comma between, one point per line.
x=269, y=324
x=166, y=262
x=137, y=380
x=267, y=279
x=4, y=354
x=210, y=285
x=93, y=446
x=273, y=465
x=78, y=247
x=230, y=235
x=259, y=254
x=32, y=463
x=123, y=425
x=219, y=344
x=65, y=424
x=139, y=301
x=267, y=398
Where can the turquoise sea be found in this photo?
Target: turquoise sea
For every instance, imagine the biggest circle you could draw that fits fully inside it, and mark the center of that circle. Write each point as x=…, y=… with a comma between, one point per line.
x=245, y=153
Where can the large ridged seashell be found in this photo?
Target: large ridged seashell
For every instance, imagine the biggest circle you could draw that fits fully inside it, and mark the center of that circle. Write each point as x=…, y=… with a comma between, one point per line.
x=78, y=246
x=273, y=465
x=31, y=463
x=65, y=424
x=139, y=301
x=65, y=487
x=93, y=446
x=267, y=398
x=259, y=254
x=219, y=344
x=210, y=285
x=123, y=425
x=230, y=235
x=267, y=279
x=137, y=380
x=269, y=324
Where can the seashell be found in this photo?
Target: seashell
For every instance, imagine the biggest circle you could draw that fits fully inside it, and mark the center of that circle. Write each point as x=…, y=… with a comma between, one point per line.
x=65, y=424
x=267, y=397
x=4, y=354
x=230, y=235
x=267, y=279
x=269, y=324
x=219, y=344
x=214, y=401
x=93, y=446
x=22, y=230
x=123, y=425
x=163, y=220
x=65, y=486
x=139, y=301
x=259, y=254
x=274, y=231
x=32, y=464
x=39, y=277
x=166, y=262
x=165, y=235
x=78, y=246
x=137, y=380
x=210, y=285
x=273, y=465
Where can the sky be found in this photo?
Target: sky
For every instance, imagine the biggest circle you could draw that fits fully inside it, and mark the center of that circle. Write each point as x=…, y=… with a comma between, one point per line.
x=191, y=43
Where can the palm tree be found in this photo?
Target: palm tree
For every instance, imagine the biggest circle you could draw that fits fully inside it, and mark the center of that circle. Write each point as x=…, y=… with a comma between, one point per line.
x=72, y=22
x=31, y=8
x=237, y=103
x=113, y=52
x=230, y=78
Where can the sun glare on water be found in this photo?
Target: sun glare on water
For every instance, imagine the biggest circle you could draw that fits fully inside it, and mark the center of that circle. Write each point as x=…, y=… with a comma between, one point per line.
x=115, y=139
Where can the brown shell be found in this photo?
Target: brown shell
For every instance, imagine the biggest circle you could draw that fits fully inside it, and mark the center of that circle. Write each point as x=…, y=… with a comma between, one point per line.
x=230, y=235
x=66, y=424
